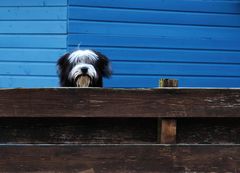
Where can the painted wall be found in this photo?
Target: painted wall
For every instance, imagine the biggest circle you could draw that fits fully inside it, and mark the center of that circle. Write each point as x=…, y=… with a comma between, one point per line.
x=33, y=35
x=197, y=42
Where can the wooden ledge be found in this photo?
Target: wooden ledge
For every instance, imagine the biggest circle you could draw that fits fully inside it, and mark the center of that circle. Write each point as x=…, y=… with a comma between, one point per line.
x=99, y=102
x=120, y=158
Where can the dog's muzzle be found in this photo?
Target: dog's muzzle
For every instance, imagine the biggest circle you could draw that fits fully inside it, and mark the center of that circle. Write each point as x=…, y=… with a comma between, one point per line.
x=83, y=81
x=83, y=75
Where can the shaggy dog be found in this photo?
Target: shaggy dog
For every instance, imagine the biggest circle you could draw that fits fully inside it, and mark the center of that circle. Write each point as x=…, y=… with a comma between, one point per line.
x=83, y=68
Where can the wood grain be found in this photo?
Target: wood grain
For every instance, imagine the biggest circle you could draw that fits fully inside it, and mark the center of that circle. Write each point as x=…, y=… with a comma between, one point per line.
x=120, y=158
x=78, y=130
x=168, y=125
x=64, y=102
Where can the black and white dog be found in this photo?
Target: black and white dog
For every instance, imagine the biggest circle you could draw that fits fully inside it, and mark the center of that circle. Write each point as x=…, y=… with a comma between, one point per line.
x=83, y=68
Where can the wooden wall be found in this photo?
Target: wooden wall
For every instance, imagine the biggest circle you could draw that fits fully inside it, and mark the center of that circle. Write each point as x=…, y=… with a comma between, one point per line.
x=196, y=42
x=32, y=36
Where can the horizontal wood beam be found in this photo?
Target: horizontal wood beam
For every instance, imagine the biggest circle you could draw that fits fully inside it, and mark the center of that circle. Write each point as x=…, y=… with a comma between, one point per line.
x=98, y=102
x=120, y=158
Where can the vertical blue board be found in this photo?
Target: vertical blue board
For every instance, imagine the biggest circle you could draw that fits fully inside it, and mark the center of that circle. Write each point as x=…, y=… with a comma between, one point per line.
x=33, y=34
x=197, y=42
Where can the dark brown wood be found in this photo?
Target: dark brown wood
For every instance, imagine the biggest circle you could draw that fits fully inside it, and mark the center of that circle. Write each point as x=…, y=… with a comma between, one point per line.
x=168, y=132
x=168, y=126
x=116, y=130
x=92, y=102
x=120, y=158
x=78, y=130
x=208, y=130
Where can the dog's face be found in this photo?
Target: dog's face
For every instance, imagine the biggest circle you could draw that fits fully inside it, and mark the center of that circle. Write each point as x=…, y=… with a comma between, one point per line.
x=83, y=68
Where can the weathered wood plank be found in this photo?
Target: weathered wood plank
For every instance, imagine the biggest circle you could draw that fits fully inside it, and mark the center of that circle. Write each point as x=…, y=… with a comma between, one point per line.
x=120, y=158
x=168, y=126
x=78, y=130
x=116, y=130
x=89, y=102
x=208, y=130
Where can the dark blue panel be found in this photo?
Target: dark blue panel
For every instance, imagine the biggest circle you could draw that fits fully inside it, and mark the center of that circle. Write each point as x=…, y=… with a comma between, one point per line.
x=130, y=68
x=183, y=69
x=154, y=30
x=168, y=55
x=196, y=42
x=186, y=81
x=33, y=27
x=33, y=13
x=180, y=42
x=160, y=17
x=168, y=5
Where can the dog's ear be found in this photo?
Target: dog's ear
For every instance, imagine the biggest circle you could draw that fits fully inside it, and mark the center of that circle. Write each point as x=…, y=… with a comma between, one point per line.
x=104, y=65
x=62, y=68
x=62, y=63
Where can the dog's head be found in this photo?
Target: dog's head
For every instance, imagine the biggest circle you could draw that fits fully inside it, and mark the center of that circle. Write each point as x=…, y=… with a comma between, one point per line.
x=83, y=68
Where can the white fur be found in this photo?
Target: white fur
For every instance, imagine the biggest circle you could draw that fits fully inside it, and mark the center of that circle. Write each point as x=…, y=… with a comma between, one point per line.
x=82, y=56
x=76, y=71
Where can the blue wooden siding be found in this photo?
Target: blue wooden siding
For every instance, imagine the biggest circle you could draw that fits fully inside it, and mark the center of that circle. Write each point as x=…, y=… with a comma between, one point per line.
x=33, y=34
x=197, y=42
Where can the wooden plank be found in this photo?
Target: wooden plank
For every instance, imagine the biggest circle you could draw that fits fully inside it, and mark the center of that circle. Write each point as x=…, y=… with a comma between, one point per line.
x=120, y=158
x=115, y=130
x=33, y=27
x=208, y=130
x=33, y=13
x=222, y=43
x=156, y=17
x=33, y=41
x=98, y=102
x=167, y=127
x=78, y=130
x=30, y=3
x=172, y=5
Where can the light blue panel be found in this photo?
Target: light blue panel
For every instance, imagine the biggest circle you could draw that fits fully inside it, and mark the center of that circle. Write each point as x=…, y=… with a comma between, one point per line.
x=33, y=13
x=42, y=3
x=27, y=82
x=146, y=16
x=33, y=27
x=168, y=55
x=122, y=81
x=154, y=30
x=31, y=55
x=33, y=35
x=28, y=69
x=154, y=42
x=168, y=5
x=33, y=41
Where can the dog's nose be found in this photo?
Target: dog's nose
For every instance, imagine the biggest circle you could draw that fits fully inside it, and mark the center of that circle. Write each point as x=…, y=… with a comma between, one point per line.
x=84, y=70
